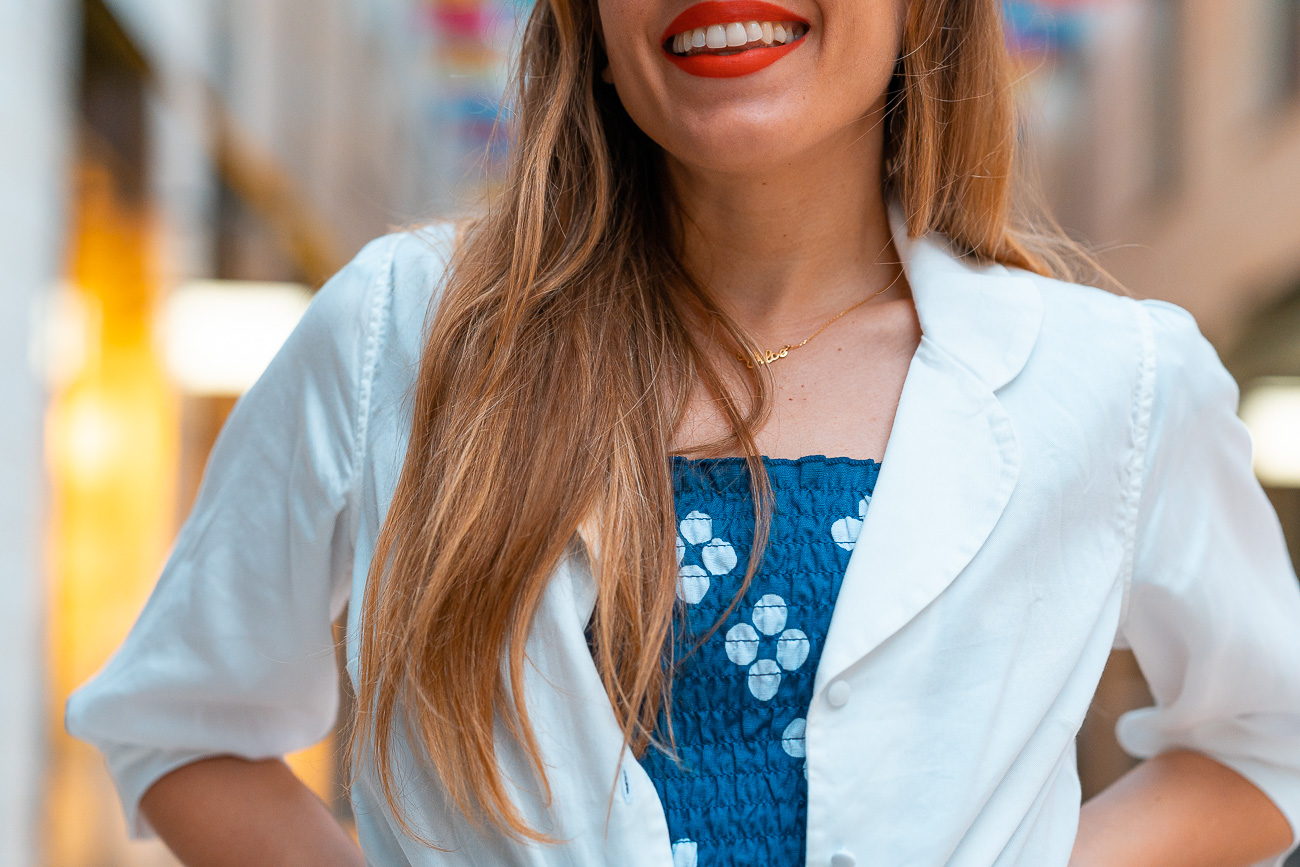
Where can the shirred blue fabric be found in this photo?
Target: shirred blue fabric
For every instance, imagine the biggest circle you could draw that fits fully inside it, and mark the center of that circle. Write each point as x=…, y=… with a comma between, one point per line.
x=738, y=795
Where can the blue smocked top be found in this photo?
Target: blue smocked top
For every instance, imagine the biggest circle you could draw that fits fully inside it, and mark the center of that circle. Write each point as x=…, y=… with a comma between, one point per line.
x=738, y=795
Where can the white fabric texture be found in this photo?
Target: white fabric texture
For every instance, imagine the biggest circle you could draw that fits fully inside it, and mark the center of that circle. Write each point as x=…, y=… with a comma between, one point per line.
x=1065, y=474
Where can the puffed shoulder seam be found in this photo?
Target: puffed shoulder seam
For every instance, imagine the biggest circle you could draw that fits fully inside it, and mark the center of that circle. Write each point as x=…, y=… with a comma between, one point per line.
x=381, y=291
x=1173, y=353
x=1143, y=400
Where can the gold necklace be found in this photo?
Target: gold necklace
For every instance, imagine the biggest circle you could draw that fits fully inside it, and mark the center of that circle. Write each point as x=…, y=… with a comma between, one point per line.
x=765, y=357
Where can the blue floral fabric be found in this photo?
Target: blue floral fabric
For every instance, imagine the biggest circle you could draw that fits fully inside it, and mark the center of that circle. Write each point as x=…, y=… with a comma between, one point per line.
x=737, y=793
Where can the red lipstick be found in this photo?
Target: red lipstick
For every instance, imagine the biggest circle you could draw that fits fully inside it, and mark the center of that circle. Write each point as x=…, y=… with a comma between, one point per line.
x=720, y=12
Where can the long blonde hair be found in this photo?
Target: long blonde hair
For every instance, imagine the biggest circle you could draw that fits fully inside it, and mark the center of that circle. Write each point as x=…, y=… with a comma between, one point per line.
x=555, y=373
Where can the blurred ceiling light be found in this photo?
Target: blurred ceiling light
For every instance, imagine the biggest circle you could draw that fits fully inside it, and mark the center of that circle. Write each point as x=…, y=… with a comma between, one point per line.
x=1271, y=410
x=219, y=335
x=88, y=438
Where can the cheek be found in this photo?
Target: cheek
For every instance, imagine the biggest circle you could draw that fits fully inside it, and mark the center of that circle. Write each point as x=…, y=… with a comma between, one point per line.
x=633, y=64
x=861, y=45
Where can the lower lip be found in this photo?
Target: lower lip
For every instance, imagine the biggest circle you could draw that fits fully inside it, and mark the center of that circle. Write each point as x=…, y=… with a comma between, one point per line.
x=732, y=65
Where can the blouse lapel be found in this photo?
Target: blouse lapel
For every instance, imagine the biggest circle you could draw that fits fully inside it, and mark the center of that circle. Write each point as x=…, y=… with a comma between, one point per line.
x=952, y=459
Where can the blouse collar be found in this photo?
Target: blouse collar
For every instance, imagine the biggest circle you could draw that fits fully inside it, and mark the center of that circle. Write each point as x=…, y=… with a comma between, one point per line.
x=985, y=314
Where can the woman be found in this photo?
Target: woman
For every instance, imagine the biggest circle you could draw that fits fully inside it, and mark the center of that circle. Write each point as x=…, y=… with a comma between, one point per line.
x=609, y=603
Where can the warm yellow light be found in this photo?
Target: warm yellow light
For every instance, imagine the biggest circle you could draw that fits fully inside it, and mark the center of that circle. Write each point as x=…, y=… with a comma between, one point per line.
x=1271, y=410
x=219, y=335
x=67, y=325
x=92, y=437
x=113, y=436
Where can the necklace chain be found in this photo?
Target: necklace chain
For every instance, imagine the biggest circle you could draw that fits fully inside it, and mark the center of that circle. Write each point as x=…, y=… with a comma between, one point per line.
x=768, y=356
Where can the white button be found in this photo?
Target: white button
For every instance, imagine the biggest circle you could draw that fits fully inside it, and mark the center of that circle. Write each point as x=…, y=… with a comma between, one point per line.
x=838, y=695
x=843, y=858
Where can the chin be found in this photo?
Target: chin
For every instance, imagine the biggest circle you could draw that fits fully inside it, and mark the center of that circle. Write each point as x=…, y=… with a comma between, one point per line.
x=734, y=141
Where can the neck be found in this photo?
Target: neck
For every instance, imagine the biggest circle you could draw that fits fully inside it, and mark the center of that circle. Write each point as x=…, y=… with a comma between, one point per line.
x=795, y=243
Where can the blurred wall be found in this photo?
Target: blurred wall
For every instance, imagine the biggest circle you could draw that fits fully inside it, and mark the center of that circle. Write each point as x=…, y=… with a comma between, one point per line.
x=285, y=133
x=1175, y=148
x=34, y=83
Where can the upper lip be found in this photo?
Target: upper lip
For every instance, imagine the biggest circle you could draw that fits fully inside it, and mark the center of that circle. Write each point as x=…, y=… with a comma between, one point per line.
x=726, y=11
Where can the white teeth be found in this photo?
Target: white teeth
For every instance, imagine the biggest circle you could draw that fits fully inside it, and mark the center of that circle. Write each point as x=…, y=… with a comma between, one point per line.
x=737, y=34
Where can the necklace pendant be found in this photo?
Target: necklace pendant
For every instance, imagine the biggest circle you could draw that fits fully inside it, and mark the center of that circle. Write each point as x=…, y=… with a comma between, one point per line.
x=765, y=357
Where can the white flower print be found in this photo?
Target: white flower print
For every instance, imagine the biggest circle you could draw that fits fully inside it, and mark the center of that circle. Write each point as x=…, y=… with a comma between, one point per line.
x=845, y=531
x=770, y=614
x=792, y=739
x=743, y=642
x=764, y=679
x=717, y=557
x=685, y=853
x=692, y=584
x=792, y=649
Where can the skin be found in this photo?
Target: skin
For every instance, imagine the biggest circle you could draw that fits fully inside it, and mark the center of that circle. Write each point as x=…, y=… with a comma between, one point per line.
x=791, y=229
x=786, y=232
x=228, y=812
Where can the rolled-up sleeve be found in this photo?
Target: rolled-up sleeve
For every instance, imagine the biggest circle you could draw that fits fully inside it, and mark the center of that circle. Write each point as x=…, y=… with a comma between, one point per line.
x=234, y=652
x=1213, y=613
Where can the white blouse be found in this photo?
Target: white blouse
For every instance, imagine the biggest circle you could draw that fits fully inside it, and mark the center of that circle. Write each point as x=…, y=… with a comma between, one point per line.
x=1066, y=474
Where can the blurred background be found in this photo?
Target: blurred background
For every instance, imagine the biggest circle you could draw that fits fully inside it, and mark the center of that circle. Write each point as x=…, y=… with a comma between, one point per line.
x=178, y=176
